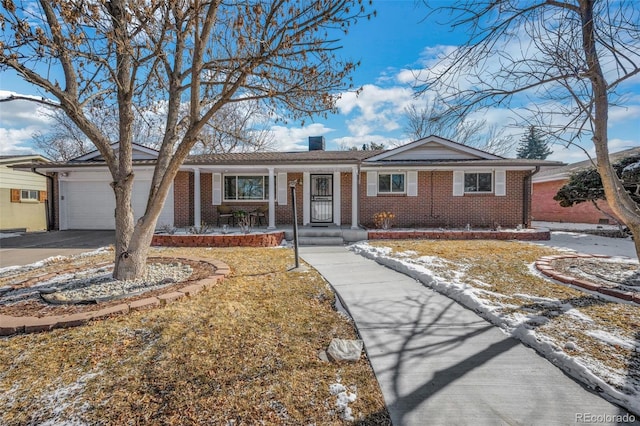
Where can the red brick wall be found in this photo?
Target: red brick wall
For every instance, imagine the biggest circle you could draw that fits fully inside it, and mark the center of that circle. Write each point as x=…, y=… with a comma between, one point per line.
x=182, y=200
x=435, y=206
x=545, y=208
x=345, y=197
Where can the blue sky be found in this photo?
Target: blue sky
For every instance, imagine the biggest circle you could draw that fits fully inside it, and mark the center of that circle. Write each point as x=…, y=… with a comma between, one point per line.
x=399, y=39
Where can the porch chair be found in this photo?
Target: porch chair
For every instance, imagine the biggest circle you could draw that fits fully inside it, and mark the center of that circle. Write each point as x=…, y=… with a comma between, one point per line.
x=226, y=212
x=259, y=215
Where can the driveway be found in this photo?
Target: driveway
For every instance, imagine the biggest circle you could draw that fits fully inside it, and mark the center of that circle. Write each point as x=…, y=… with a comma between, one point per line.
x=35, y=246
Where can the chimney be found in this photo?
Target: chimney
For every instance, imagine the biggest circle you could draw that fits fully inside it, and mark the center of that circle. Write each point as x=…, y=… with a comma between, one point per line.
x=316, y=143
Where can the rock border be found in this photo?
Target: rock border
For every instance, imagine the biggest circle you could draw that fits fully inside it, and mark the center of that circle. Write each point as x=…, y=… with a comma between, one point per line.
x=10, y=325
x=544, y=265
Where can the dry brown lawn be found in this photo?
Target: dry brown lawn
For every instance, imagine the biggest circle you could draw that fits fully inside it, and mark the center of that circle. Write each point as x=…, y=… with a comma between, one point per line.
x=241, y=353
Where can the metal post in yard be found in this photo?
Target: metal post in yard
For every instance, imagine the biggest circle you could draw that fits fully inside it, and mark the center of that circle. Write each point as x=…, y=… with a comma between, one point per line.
x=292, y=185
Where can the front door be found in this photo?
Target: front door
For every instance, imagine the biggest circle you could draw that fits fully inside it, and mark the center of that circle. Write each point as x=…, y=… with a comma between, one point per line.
x=321, y=198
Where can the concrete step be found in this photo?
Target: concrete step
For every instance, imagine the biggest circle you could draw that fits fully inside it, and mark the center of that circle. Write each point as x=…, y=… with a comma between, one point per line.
x=320, y=232
x=320, y=241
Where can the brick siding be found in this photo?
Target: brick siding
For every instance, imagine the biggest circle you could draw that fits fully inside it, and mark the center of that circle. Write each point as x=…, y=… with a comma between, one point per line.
x=435, y=206
x=182, y=200
x=545, y=208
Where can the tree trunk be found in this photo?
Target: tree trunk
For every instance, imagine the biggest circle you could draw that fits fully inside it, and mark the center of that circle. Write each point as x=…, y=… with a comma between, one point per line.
x=131, y=263
x=617, y=197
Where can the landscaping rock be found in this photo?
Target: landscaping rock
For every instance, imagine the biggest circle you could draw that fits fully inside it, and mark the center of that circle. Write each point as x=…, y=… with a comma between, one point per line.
x=322, y=356
x=345, y=350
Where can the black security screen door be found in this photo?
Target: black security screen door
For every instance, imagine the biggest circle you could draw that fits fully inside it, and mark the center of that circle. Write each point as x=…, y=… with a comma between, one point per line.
x=321, y=198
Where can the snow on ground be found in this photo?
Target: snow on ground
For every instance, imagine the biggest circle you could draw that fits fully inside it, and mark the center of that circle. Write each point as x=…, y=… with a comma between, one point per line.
x=343, y=398
x=9, y=234
x=41, y=263
x=519, y=324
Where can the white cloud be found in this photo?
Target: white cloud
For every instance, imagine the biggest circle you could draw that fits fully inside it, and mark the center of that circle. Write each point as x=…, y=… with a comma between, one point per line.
x=357, y=142
x=22, y=113
x=15, y=141
x=19, y=120
x=374, y=109
x=623, y=113
x=296, y=138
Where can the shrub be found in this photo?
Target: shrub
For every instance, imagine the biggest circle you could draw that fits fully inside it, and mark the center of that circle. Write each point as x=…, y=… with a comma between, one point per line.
x=383, y=220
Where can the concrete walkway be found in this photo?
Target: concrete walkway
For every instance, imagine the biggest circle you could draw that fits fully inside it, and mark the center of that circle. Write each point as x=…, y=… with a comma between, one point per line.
x=441, y=364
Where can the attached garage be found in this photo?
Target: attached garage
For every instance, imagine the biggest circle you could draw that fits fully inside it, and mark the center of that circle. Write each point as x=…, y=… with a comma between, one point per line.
x=87, y=200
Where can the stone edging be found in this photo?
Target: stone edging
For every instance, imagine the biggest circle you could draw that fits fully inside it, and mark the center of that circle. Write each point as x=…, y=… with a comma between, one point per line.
x=269, y=239
x=10, y=325
x=545, y=267
x=537, y=235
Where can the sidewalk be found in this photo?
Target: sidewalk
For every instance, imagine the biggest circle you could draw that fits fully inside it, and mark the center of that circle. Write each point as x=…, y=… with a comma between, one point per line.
x=440, y=364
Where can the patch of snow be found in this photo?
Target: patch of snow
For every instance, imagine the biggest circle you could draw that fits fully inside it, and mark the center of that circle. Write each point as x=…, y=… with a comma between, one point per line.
x=612, y=340
x=407, y=253
x=9, y=235
x=343, y=399
x=41, y=263
x=631, y=167
x=60, y=399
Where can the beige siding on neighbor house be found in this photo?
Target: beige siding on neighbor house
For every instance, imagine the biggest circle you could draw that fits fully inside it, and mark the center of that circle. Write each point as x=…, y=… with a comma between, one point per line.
x=24, y=214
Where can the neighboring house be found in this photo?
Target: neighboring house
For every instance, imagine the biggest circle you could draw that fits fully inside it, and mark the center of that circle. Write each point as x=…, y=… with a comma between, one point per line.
x=432, y=182
x=23, y=195
x=547, y=182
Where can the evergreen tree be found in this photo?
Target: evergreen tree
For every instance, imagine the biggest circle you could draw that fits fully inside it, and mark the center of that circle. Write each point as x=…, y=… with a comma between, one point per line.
x=533, y=146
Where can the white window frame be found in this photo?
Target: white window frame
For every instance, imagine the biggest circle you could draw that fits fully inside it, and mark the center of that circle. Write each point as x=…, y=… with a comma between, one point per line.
x=265, y=192
x=29, y=196
x=391, y=191
x=479, y=173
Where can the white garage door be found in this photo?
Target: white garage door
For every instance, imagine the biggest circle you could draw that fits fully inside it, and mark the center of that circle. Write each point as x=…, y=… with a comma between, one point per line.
x=91, y=204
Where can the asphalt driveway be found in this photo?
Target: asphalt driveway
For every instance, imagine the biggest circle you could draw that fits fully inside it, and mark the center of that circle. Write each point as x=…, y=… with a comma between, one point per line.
x=35, y=246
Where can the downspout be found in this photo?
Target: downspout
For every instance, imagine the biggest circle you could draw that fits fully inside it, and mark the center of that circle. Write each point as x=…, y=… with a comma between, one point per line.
x=526, y=196
x=50, y=210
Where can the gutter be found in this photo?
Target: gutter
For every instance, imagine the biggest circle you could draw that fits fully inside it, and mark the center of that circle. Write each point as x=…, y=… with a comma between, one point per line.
x=527, y=195
x=50, y=206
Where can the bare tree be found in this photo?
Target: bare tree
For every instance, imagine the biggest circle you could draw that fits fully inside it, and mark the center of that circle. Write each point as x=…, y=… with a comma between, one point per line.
x=236, y=128
x=64, y=140
x=434, y=118
x=195, y=55
x=567, y=58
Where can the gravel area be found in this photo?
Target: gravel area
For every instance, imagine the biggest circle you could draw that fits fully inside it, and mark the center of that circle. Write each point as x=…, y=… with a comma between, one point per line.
x=97, y=285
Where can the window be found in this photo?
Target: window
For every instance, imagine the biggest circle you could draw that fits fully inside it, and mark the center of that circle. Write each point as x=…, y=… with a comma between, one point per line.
x=390, y=183
x=29, y=194
x=478, y=182
x=242, y=188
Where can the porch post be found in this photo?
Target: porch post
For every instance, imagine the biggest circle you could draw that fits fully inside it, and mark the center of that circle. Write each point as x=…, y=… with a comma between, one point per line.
x=197, y=210
x=272, y=200
x=354, y=197
x=337, y=202
x=306, y=198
